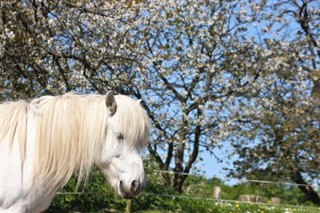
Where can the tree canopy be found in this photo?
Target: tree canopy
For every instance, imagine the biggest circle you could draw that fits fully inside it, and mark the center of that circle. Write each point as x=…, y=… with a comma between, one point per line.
x=209, y=72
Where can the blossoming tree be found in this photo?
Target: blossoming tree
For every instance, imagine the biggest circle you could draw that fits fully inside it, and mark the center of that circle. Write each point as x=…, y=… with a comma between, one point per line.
x=207, y=70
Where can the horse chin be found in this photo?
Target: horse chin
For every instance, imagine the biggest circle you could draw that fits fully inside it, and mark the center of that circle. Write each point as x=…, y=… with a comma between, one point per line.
x=126, y=196
x=123, y=194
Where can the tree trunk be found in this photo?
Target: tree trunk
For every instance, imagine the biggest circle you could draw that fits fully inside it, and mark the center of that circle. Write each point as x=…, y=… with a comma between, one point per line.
x=179, y=158
x=306, y=189
x=178, y=177
x=178, y=182
x=166, y=178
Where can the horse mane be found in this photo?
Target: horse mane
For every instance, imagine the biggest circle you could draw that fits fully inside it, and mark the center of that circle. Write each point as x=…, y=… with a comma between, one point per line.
x=13, y=118
x=70, y=131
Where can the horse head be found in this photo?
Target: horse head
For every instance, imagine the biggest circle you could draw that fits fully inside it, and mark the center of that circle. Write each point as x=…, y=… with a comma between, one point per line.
x=127, y=133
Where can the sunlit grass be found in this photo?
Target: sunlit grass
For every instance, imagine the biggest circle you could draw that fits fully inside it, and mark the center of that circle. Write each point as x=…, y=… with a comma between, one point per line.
x=238, y=207
x=261, y=208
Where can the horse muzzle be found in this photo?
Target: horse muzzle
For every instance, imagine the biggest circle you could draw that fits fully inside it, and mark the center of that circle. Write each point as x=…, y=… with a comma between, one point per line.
x=132, y=188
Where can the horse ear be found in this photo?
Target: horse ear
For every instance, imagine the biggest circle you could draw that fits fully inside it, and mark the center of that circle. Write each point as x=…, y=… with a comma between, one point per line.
x=111, y=103
x=139, y=101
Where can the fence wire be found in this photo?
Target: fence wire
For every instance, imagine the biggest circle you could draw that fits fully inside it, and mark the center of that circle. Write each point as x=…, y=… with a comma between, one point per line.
x=207, y=198
x=218, y=201
x=242, y=180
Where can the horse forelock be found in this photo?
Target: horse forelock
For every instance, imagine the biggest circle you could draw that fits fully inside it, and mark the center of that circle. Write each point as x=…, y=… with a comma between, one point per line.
x=131, y=121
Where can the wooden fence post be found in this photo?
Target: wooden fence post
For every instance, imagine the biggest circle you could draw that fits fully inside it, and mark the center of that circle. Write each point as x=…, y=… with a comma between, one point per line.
x=129, y=206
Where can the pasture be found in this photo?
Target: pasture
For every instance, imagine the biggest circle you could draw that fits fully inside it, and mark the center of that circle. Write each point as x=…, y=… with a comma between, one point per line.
x=97, y=196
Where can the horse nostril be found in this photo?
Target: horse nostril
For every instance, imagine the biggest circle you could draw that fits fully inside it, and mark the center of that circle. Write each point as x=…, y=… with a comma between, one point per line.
x=134, y=185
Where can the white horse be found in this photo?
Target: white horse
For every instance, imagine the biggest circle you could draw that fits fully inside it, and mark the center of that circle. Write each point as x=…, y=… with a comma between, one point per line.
x=44, y=142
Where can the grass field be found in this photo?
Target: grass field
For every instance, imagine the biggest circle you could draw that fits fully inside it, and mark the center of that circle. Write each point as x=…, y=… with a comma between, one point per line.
x=245, y=209
x=235, y=207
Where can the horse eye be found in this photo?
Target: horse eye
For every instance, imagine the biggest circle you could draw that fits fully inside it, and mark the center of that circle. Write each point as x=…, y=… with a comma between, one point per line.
x=120, y=137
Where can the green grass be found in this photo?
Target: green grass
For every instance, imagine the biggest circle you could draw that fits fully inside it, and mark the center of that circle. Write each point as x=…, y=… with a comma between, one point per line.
x=184, y=205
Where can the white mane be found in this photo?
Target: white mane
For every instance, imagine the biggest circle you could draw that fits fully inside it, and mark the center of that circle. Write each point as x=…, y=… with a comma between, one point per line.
x=70, y=131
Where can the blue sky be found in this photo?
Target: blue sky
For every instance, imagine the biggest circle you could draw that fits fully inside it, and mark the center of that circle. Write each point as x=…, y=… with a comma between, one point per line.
x=211, y=167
